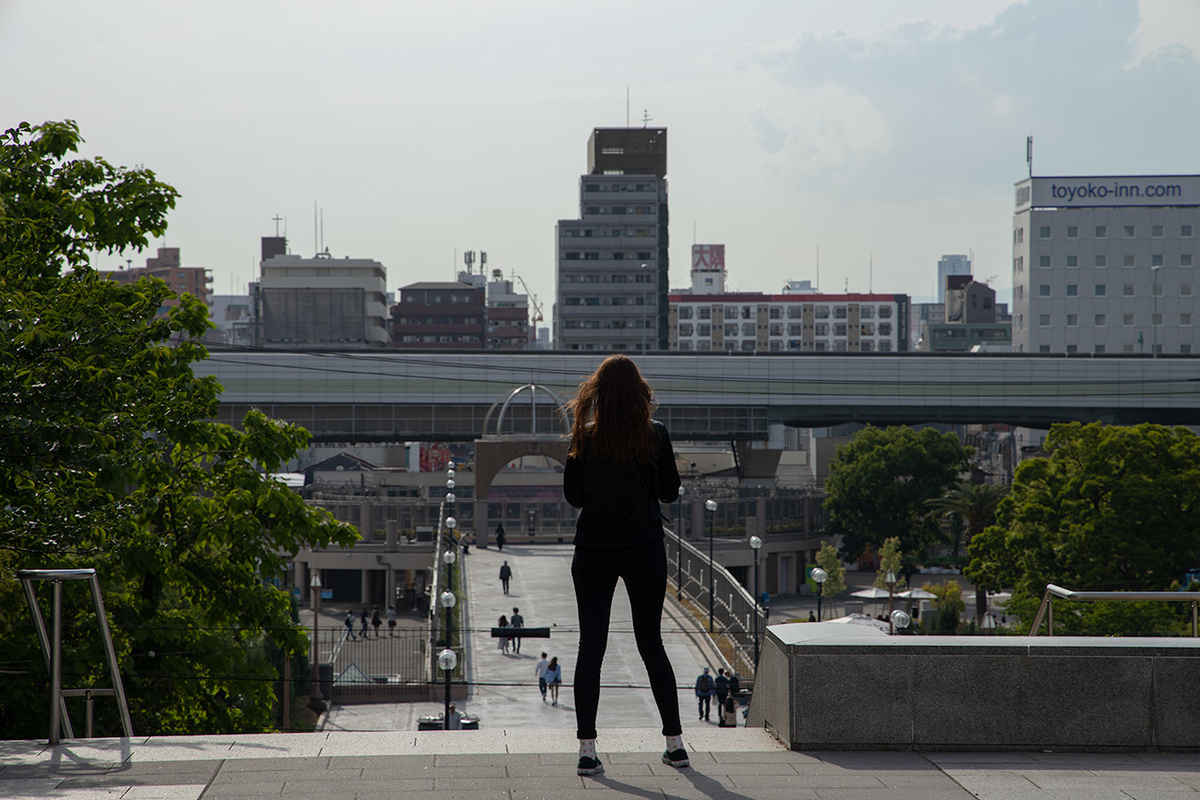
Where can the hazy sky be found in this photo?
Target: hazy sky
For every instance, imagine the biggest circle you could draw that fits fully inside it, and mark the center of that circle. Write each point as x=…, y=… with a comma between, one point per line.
x=875, y=129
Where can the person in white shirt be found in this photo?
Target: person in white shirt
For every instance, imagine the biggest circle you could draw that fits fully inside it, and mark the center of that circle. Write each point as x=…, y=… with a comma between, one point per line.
x=540, y=671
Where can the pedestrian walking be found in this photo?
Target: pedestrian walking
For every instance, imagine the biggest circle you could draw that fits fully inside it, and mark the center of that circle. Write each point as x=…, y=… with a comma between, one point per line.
x=705, y=689
x=620, y=466
x=735, y=686
x=455, y=719
x=391, y=620
x=500, y=537
x=728, y=716
x=376, y=621
x=503, y=645
x=540, y=671
x=517, y=621
x=505, y=576
x=721, y=685
x=366, y=620
x=349, y=624
x=554, y=679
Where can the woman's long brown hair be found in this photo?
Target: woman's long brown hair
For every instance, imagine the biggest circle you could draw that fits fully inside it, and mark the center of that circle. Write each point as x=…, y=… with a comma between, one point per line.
x=613, y=411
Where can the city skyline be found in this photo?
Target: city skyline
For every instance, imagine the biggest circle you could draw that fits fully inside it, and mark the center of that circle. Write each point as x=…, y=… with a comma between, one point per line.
x=885, y=136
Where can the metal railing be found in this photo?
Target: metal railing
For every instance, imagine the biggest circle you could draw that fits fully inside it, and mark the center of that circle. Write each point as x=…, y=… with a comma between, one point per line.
x=734, y=608
x=1046, y=609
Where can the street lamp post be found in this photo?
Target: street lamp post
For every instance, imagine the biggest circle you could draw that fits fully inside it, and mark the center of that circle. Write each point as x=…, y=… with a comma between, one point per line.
x=711, y=505
x=755, y=544
x=316, y=699
x=679, y=551
x=447, y=660
x=890, y=580
x=447, y=656
x=819, y=575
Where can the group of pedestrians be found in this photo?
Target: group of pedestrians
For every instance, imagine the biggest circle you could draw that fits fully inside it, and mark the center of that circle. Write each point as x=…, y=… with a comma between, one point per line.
x=517, y=621
x=372, y=618
x=549, y=675
x=725, y=688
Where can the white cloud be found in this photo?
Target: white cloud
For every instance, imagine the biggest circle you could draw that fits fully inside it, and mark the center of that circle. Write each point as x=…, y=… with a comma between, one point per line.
x=1167, y=28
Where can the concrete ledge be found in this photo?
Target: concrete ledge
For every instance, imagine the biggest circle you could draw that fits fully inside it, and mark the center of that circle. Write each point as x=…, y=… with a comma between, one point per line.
x=833, y=686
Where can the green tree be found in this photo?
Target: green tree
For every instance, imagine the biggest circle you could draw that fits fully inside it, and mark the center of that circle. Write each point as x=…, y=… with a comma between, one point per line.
x=110, y=461
x=975, y=505
x=1109, y=508
x=948, y=605
x=835, y=573
x=879, y=482
x=890, y=560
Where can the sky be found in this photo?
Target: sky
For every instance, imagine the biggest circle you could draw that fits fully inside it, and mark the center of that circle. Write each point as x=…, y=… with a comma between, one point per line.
x=849, y=143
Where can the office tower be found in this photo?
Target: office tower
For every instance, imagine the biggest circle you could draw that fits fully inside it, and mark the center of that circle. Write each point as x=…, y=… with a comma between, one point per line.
x=611, y=280
x=950, y=265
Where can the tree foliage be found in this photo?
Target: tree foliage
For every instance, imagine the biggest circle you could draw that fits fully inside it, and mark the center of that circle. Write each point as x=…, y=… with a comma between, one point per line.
x=890, y=560
x=835, y=580
x=1110, y=508
x=974, y=504
x=110, y=461
x=880, y=481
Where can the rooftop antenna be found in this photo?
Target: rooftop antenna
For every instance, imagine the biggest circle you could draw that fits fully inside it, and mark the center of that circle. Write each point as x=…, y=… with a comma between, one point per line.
x=323, y=250
x=316, y=248
x=846, y=284
x=469, y=260
x=645, y=117
x=1029, y=154
x=278, y=219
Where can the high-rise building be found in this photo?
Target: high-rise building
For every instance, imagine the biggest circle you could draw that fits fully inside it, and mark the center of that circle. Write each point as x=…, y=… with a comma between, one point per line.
x=320, y=302
x=950, y=265
x=168, y=266
x=1105, y=264
x=611, y=278
x=441, y=315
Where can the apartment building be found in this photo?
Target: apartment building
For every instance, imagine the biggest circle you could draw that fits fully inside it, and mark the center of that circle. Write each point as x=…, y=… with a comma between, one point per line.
x=1105, y=264
x=168, y=267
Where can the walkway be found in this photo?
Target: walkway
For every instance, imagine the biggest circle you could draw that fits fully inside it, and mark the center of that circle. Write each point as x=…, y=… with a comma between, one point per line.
x=515, y=765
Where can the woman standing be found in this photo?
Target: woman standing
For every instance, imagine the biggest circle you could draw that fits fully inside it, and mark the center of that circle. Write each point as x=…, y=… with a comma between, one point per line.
x=620, y=465
x=554, y=679
x=503, y=643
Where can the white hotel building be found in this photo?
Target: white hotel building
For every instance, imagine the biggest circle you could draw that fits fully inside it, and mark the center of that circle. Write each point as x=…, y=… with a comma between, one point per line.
x=1105, y=264
x=800, y=320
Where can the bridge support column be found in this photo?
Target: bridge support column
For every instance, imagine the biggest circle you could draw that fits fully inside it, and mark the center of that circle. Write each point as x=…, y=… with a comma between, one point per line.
x=482, y=524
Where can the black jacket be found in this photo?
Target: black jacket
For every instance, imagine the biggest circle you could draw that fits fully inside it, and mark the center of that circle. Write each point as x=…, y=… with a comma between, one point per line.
x=619, y=499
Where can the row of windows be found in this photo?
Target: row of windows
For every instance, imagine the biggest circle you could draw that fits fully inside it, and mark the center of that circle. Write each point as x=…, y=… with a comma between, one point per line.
x=598, y=210
x=793, y=312
x=1157, y=231
x=428, y=339
x=617, y=186
x=619, y=300
x=776, y=329
x=636, y=277
x=609, y=325
x=1101, y=320
x=619, y=255
x=1101, y=290
x=1127, y=260
x=438, y=320
x=606, y=233
x=777, y=346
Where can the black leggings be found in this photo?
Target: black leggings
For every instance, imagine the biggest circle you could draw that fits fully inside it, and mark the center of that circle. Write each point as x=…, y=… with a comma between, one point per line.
x=595, y=573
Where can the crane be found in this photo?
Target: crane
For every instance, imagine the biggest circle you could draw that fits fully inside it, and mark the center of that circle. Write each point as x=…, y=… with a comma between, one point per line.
x=537, y=308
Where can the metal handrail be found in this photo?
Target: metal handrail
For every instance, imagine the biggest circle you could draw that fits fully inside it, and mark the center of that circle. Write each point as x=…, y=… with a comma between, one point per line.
x=1046, y=609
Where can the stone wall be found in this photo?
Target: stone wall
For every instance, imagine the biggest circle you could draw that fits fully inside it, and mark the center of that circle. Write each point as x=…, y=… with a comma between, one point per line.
x=837, y=686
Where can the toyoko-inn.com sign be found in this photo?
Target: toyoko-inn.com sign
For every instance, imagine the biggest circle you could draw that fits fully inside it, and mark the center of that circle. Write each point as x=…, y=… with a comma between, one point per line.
x=1109, y=190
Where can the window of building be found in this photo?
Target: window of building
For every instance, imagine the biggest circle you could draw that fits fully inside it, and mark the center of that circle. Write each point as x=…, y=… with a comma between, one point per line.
x=731, y=312
x=885, y=346
x=1185, y=289
x=618, y=210
x=1127, y=290
x=1100, y=290
x=730, y=346
x=1130, y=231
x=1072, y=320
x=1101, y=320
x=685, y=312
x=1185, y=319
x=618, y=256
x=1156, y=260
x=1044, y=290
x=1043, y=319
x=1156, y=289
x=572, y=256
x=1185, y=349
x=1072, y=348
x=776, y=329
x=839, y=345
x=795, y=329
x=822, y=312
x=1129, y=260
x=866, y=346
x=1156, y=319
x=1098, y=349
x=1156, y=231
x=1072, y=261
x=686, y=329
x=591, y=187
x=593, y=210
x=1020, y=235
x=1043, y=348
x=821, y=329
x=866, y=312
x=1127, y=319
x=1043, y=261
x=1185, y=259
x=885, y=329
x=775, y=313
x=1044, y=232
x=731, y=329
x=794, y=312
x=703, y=329
x=839, y=312
x=885, y=312
x=839, y=329
x=1072, y=231
x=1185, y=231
x=867, y=329
x=1072, y=290
x=748, y=329
x=645, y=255
x=591, y=256
x=704, y=312
x=1101, y=231
x=1101, y=260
